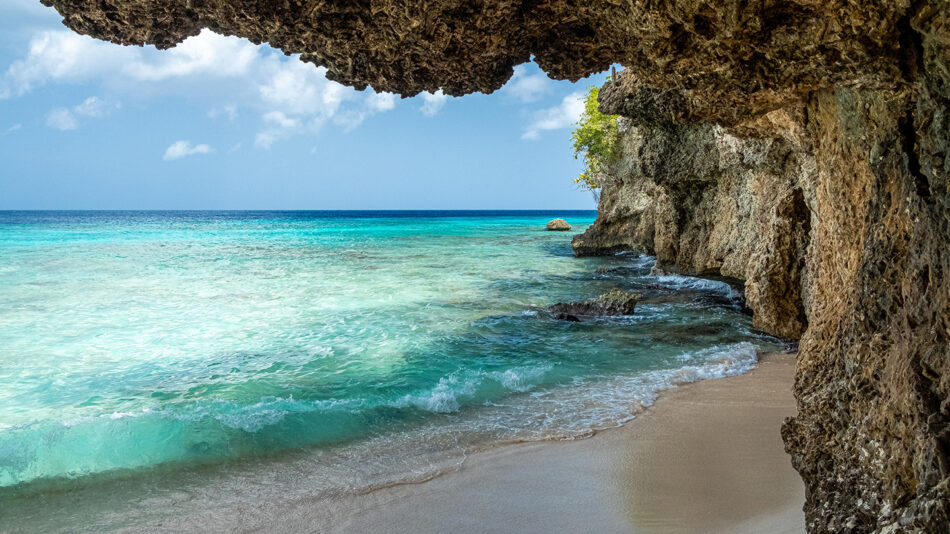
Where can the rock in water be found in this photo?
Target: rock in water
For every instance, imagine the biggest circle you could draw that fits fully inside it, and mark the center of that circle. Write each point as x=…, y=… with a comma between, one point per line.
x=558, y=225
x=615, y=302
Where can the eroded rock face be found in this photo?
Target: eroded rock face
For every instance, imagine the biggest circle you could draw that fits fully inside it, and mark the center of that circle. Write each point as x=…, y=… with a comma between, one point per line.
x=801, y=145
x=719, y=52
x=706, y=202
x=836, y=213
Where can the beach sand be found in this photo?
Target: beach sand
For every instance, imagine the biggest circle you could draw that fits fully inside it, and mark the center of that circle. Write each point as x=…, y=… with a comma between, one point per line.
x=707, y=457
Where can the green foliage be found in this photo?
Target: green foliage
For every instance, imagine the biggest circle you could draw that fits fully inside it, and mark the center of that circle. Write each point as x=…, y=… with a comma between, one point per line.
x=596, y=138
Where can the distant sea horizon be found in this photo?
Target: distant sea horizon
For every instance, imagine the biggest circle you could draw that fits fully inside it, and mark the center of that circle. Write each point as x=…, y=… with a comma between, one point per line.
x=280, y=210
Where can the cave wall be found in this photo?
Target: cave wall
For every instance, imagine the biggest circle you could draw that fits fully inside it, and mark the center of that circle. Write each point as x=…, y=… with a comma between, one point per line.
x=835, y=210
x=872, y=439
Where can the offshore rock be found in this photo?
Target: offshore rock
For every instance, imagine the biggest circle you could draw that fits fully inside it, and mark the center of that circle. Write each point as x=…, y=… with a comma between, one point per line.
x=613, y=303
x=559, y=225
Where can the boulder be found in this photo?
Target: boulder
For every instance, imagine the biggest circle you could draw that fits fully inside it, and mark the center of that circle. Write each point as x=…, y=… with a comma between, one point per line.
x=613, y=303
x=558, y=225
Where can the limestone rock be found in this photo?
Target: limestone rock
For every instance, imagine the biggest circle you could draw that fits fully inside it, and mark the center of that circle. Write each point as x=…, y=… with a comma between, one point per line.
x=721, y=55
x=707, y=202
x=613, y=303
x=834, y=210
x=559, y=225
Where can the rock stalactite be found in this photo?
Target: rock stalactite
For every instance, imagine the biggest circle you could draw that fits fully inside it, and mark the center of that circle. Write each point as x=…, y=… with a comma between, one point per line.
x=800, y=145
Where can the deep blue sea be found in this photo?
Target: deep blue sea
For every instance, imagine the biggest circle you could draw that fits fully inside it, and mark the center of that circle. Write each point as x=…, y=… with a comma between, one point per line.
x=352, y=349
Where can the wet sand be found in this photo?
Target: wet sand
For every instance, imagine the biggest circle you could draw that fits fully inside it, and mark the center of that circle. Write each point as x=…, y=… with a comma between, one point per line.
x=707, y=457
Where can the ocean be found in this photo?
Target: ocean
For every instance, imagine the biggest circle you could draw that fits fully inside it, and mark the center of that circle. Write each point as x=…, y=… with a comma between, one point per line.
x=148, y=356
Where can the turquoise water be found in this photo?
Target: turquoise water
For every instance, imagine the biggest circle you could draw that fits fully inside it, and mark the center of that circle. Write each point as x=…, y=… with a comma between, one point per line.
x=131, y=342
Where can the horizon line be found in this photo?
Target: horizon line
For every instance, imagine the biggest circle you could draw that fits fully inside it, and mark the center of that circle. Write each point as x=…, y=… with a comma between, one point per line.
x=7, y=210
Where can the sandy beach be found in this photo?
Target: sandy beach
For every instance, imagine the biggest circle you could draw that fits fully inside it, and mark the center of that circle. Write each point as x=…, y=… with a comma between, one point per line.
x=707, y=457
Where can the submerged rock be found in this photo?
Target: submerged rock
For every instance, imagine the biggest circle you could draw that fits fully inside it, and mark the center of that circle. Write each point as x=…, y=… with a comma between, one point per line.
x=559, y=225
x=615, y=302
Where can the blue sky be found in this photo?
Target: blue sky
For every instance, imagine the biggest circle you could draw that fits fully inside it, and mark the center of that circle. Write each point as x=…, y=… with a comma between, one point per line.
x=219, y=123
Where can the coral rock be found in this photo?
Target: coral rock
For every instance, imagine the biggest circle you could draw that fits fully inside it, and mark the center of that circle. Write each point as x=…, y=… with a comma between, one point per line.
x=559, y=225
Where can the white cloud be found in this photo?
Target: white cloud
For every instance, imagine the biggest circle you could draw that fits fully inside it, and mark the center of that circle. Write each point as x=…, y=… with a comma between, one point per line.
x=381, y=101
x=280, y=120
x=564, y=115
x=68, y=119
x=277, y=125
x=62, y=119
x=432, y=102
x=14, y=128
x=349, y=119
x=95, y=107
x=206, y=54
x=181, y=149
x=63, y=56
x=208, y=67
x=527, y=87
x=299, y=88
x=230, y=111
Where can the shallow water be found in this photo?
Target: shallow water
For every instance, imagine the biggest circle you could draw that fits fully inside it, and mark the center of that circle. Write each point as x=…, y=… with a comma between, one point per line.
x=363, y=348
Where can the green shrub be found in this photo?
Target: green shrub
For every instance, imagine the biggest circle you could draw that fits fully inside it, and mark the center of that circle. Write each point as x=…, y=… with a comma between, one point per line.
x=596, y=138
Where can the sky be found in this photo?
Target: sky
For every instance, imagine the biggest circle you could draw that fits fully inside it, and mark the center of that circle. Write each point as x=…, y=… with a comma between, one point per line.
x=220, y=123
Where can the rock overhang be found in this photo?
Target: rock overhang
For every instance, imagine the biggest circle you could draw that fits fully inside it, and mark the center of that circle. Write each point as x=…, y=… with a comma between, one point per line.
x=716, y=60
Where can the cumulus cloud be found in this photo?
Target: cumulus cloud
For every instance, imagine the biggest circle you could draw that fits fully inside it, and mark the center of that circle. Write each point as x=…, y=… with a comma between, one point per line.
x=277, y=125
x=62, y=56
x=563, y=115
x=95, y=107
x=250, y=76
x=381, y=101
x=181, y=149
x=527, y=87
x=61, y=119
x=299, y=88
x=432, y=103
x=206, y=54
x=68, y=119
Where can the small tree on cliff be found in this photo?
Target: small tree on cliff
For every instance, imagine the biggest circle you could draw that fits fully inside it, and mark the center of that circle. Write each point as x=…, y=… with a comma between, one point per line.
x=596, y=138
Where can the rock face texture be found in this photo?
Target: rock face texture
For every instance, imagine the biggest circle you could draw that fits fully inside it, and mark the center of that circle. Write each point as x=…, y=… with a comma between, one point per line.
x=613, y=303
x=720, y=50
x=835, y=210
x=706, y=202
x=800, y=145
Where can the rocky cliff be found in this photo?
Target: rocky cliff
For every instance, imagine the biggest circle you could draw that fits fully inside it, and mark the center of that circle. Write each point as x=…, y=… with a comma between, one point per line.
x=705, y=201
x=835, y=211
x=800, y=145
